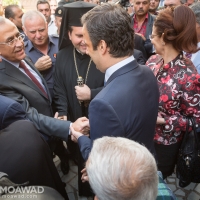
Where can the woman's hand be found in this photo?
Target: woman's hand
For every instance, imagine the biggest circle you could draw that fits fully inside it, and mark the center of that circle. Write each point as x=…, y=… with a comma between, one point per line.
x=160, y=120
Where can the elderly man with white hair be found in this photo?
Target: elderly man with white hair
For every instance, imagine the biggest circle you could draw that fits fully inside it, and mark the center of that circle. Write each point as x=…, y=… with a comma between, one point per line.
x=119, y=168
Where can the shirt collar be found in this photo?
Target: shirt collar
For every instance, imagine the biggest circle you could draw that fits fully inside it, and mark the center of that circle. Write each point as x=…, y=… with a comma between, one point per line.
x=31, y=46
x=16, y=64
x=135, y=19
x=51, y=21
x=117, y=66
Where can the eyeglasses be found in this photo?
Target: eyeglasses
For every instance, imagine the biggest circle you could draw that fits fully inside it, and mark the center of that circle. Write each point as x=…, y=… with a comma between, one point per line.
x=14, y=41
x=152, y=36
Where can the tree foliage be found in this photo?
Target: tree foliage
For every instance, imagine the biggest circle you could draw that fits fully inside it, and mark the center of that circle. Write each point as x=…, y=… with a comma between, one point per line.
x=8, y=2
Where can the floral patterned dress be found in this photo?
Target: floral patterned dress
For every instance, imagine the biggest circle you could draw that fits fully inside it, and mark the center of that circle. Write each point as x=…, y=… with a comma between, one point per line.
x=179, y=87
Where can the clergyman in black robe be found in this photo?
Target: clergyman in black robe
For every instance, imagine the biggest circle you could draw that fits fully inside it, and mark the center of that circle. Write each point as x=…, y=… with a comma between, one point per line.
x=70, y=64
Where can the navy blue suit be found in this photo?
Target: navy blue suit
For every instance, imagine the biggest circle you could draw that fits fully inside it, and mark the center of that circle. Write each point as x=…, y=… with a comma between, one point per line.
x=126, y=107
x=10, y=111
x=20, y=140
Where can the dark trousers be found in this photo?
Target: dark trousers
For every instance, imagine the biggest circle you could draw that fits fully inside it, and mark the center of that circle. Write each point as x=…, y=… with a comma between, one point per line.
x=166, y=158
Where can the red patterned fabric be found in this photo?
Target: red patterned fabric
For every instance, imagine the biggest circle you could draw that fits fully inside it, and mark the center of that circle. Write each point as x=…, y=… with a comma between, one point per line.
x=179, y=87
x=141, y=29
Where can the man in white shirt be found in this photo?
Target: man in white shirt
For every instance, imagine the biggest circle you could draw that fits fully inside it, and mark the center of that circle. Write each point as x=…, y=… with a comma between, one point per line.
x=128, y=104
x=43, y=6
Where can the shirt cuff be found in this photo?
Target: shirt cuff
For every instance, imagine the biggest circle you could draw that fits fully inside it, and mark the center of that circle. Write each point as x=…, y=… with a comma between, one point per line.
x=69, y=128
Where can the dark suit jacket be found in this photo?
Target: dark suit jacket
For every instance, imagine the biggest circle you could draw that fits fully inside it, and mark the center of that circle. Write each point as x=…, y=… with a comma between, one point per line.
x=10, y=111
x=146, y=44
x=17, y=86
x=139, y=57
x=126, y=107
x=139, y=45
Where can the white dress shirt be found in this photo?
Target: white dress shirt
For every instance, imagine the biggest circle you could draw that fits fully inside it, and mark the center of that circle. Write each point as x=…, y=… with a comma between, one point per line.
x=117, y=66
x=52, y=29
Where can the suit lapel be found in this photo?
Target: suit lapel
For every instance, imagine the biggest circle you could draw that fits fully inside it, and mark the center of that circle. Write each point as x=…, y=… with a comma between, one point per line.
x=125, y=69
x=30, y=63
x=15, y=73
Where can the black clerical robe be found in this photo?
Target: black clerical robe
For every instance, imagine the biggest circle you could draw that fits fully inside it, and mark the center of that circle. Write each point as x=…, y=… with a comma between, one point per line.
x=65, y=78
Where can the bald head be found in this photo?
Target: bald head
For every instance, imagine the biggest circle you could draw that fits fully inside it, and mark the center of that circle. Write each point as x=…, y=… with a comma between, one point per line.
x=4, y=21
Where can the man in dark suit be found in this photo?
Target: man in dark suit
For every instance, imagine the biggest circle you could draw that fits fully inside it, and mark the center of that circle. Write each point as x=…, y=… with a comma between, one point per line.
x=20, y=140
x=128, y=104
x=20, y=81
x=10, y=111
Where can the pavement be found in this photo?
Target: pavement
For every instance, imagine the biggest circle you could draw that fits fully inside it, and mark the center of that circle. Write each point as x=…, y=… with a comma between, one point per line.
x=191, y=192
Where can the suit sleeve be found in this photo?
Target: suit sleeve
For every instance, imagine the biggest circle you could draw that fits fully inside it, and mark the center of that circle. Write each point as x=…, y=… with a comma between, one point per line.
x=104, y=121
x=14, y=112
x=59, y=90
x=139, y=57
x=47, y=125
x=85, y=146
x=95, y=91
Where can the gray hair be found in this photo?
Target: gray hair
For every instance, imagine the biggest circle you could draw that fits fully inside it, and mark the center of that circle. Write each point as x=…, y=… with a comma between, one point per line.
x=31, y=15
x=119, y=168
x=196, y=9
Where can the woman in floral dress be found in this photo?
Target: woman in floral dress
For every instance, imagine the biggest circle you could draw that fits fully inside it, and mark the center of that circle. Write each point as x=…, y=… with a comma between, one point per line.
x=178, y=81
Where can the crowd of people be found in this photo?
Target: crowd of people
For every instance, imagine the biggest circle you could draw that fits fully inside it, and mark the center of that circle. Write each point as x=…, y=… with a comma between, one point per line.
x=116, y=83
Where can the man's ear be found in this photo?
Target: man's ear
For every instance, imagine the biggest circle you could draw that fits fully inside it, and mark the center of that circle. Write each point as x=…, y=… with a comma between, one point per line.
x=102, y=47
x=95, y=198
x=11, y=19
x=23, y=28
x=69, y=34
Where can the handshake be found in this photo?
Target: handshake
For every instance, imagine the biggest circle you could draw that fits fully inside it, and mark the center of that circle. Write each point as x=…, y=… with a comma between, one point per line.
x=80, y=127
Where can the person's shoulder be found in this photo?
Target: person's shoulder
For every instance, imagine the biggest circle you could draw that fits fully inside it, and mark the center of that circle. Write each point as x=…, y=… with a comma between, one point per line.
x=189, y=66
x=5, y=100
x=54, y=39
x=66, y=51
x=153, y=17
x=154, y=59
x=26, y=43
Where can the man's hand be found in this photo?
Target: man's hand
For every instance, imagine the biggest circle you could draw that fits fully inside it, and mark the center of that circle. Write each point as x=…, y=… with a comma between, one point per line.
x=63, y=117
x=43, y=63
x=60, y=117
x=141, y=36
x=81, y=125
x=83, y=93
x=75, y=134
x=84, y=176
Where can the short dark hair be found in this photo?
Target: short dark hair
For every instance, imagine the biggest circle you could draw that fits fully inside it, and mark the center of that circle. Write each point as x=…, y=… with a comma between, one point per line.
x=112, y=24
x=9, y=11
x=178, y=26
x=43, y=2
